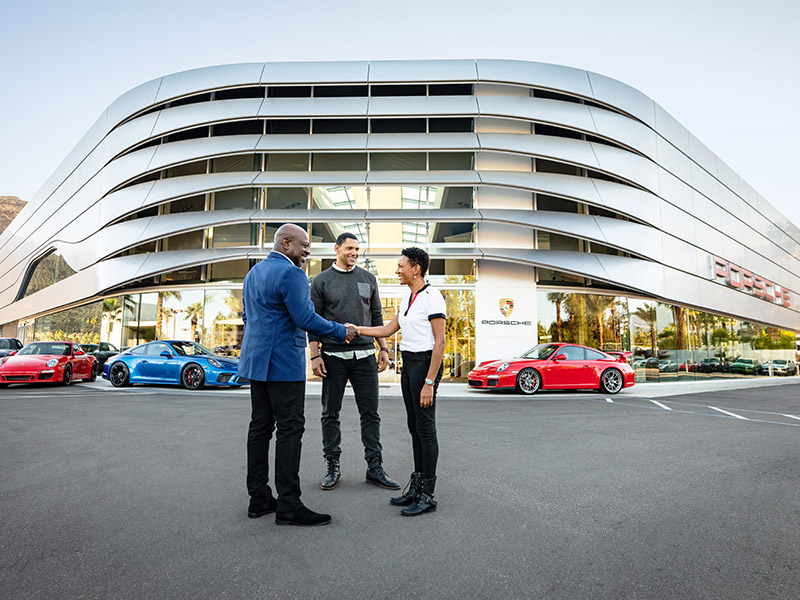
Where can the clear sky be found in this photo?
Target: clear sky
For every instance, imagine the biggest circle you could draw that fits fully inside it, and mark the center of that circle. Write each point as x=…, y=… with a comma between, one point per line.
x=726, y=69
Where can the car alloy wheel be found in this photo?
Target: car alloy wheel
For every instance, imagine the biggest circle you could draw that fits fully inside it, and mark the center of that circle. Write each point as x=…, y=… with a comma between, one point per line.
x=192, y=377
x=528, y=381
x=118, y=375
x=67, y=375
x=93, y=372
x=611, y=381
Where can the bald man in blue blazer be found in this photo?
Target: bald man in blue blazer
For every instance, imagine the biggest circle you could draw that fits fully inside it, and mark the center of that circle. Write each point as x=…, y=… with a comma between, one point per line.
x=277, y=312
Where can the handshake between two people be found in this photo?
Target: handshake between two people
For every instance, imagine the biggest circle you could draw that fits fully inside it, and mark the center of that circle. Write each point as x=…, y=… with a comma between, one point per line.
x=352, y=332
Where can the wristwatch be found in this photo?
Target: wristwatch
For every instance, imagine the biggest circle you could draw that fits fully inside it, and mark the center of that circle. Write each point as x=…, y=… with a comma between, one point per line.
x=428, y=381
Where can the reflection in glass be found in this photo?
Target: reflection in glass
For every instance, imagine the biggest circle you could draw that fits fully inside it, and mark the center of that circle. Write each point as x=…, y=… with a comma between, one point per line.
x=179, y=315
x=459, y=333
x=229, y=236
x=191, y=204
x=286, y=198
x=287, y=162
x=81, y=325
x=47, y=271
x=223, y=325
x=229, y=270
x=232, y=199
x=242, y=162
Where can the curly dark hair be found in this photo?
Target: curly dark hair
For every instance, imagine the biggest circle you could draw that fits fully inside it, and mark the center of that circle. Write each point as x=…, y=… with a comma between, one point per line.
x=417, y=256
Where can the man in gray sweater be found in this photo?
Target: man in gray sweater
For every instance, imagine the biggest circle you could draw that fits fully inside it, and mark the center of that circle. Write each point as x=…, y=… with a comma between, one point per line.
x=351, y=294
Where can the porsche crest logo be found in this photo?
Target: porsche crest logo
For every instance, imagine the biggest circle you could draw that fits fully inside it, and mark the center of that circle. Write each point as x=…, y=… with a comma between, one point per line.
x=506, y=306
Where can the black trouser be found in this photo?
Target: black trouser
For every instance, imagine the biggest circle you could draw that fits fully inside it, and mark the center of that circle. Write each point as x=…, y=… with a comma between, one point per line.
x=281, y=403
x=421, y=421
x=363, y=376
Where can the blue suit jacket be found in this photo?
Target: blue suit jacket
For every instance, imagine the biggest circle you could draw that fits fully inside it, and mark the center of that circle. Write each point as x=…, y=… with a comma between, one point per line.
x=277, y=311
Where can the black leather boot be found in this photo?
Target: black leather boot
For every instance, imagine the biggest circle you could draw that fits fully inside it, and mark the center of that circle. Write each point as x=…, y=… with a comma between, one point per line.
x=377, y=476
x=424, y=501
x=410, y=491
x=332, y=477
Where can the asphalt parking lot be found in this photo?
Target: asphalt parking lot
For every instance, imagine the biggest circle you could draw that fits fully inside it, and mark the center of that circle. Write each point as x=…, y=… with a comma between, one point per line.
x=658, y=492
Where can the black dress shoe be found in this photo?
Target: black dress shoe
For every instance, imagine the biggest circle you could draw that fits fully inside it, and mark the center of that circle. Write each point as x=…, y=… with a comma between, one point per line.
x=378, y=476
x=302, y=516
x=260, y=508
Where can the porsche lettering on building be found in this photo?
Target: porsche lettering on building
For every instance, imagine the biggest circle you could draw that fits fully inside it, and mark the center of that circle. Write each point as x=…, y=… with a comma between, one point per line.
x=740, y=278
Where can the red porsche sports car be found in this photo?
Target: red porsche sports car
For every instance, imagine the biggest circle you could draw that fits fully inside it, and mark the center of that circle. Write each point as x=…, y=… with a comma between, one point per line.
x=58, y=362
x=555, y=367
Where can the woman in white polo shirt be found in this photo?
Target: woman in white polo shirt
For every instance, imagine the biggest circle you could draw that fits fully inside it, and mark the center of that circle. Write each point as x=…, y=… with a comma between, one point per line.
x=421, y=318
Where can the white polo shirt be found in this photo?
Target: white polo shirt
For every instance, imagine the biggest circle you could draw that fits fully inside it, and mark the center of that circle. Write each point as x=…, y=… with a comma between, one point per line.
x=415, y=320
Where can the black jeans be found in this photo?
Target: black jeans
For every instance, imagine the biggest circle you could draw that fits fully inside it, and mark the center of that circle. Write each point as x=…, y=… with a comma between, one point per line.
x=363, y=376
x=281, y=403
x=421, y=421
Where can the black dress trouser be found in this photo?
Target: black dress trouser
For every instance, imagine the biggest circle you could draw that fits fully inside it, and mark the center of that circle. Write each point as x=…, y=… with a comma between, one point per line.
x=281, y=404
x=362, y=374
x=421, y=421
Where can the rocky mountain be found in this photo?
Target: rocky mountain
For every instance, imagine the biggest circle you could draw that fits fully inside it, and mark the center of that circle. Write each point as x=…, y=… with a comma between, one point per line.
x=9, y=207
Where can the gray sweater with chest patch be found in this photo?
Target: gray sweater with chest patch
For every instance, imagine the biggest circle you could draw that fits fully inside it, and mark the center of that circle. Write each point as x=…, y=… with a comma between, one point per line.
x=347, y=297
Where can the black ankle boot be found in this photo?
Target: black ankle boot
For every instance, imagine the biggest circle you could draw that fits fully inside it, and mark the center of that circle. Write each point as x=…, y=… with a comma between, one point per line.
x=410, y=492
x=424, y=501
x=332, y=476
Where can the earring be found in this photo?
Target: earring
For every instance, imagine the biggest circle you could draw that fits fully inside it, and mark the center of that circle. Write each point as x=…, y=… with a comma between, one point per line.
x=415, y=276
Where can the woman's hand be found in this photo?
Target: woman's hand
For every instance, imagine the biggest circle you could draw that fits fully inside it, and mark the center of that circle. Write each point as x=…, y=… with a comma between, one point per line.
x=426, y=396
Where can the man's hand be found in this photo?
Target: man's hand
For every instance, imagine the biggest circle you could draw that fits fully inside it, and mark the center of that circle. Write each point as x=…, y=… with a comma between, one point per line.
x=383, y=361
x=352, y=332
x=318, y=367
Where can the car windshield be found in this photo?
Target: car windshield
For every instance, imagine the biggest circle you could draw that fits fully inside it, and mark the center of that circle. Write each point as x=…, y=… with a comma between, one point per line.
x=540, y=352
x=191, y=349
x=747, y=361
x=778, y=361
x=6, y=344
x=89, y=347
x=46, y=348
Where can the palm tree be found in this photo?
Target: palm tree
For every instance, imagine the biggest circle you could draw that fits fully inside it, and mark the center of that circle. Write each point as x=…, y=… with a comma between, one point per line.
x=678, y=316
x=112, y=310
x=194, y=311
x=160, y=307
x=596, y=307
x=557, y=298
x=649, y=314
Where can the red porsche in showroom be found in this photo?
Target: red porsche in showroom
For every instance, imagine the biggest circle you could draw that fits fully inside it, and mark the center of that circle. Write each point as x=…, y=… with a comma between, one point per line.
x=555, y=367
x=42, y=362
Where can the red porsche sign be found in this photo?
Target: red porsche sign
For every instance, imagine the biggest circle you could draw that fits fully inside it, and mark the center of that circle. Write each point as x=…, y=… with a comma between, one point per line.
x=737, y=277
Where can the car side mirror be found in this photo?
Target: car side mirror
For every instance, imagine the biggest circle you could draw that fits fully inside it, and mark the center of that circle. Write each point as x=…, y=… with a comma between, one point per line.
x=561, y=357
x=79, y=353
x=166, y=354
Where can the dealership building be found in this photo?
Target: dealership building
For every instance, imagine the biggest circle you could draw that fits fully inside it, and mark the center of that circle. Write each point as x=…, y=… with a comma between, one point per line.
x=556, y=205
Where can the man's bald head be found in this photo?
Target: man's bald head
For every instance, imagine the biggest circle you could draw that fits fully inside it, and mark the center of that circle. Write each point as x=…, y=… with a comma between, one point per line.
x=292, y=241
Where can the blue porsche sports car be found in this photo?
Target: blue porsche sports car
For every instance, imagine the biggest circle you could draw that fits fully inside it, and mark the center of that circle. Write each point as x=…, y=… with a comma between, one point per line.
x=172, y=362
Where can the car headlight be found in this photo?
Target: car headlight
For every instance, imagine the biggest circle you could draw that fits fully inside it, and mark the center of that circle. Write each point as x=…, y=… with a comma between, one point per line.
x=503, y=367
x=52, y=362
x=214, y=363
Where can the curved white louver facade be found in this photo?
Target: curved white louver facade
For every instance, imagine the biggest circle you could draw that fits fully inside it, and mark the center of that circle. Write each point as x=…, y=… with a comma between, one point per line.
x=659, y=216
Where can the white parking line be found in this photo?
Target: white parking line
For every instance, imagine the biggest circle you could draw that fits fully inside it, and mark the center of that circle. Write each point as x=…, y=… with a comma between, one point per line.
x=609, y=400
x=792, y=417
x=657, y=403
x=729, y=413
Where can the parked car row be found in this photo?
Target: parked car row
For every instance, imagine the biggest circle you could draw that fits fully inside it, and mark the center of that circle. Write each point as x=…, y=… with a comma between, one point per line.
x=173, y=362
x=742, y=366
